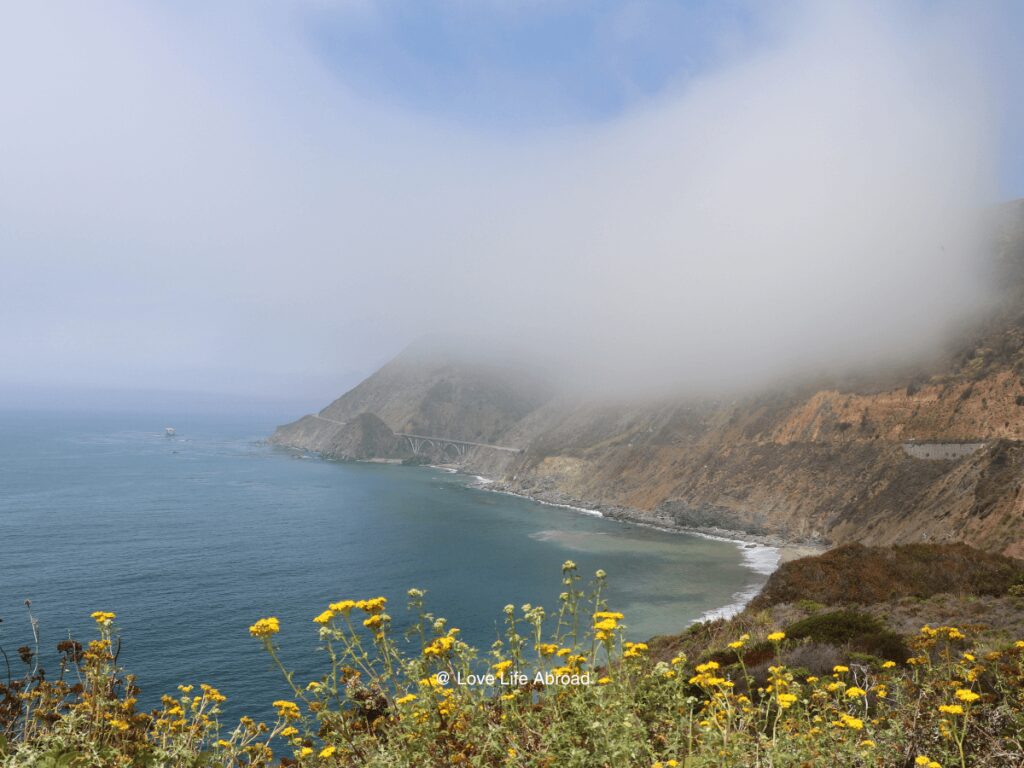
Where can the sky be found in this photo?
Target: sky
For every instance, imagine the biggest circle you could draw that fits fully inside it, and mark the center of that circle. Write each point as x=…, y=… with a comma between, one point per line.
x=273, y=198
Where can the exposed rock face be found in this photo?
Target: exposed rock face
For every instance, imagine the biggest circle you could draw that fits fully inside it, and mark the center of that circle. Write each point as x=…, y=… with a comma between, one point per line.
x=824, y=463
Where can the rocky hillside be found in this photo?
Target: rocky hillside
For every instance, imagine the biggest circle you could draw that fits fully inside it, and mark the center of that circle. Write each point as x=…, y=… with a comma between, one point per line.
x=430, y=389
x=931, y=454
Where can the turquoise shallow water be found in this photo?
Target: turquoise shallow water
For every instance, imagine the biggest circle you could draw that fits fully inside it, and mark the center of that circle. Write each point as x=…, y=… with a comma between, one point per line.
x=190, y=539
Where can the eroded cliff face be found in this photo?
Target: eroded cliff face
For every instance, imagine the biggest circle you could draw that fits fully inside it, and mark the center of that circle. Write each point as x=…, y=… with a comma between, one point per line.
x=812, y=468
x=825, y=463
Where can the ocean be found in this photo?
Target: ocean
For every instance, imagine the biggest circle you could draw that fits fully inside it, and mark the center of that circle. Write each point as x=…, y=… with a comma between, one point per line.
x=189, y=539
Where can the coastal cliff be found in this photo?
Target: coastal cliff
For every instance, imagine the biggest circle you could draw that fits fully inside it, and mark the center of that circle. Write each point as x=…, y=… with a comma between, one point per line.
x=934, y=453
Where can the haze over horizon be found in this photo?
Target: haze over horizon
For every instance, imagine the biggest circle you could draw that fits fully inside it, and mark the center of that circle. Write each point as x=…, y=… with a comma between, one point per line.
x=274, y=202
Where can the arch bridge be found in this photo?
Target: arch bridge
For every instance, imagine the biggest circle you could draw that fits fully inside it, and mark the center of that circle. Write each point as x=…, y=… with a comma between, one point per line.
x=446, y=446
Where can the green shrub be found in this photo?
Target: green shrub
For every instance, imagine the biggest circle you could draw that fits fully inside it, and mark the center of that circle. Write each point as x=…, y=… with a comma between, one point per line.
x=851, y=629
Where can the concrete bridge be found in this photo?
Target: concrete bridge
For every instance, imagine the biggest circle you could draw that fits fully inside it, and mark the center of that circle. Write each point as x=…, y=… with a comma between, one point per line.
x=447, y=446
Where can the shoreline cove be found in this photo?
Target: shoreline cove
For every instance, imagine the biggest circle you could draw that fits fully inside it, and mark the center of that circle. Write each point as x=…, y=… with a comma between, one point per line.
x=761, y=554
x=758, y=556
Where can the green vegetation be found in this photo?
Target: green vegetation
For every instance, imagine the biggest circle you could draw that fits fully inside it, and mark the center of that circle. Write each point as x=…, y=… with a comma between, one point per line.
x=855, y=574
x=750, y=698
x=852, y=630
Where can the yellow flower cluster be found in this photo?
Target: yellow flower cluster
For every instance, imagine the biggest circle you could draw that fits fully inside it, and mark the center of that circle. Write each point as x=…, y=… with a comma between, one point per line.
x=786, y=700
x=849, y=721
x=342, y=607
x=737, y=644
x=606, y=622
x=706, y=676
x=287, y=710
x=633, y=650
x=373, y=605
x=440, y=646
x=103, y=618
x=950, y=633
x=265, y=627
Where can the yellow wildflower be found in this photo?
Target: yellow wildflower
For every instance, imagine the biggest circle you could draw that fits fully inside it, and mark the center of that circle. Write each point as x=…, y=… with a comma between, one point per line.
x=326, y=751
x=344, y=607
x=966, y=695
x=775, y=637
x=438, y=646
x=325, y=617
x=289, y=710
x=786, y=700
x=265, y=627
x=951, y=709
x=848, y=721
x=373, y=605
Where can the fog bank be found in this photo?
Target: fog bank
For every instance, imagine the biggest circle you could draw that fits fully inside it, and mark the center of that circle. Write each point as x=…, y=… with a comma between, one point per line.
x=194, y=200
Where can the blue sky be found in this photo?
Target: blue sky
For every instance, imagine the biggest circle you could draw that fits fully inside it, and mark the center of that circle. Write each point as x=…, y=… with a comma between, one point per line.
x=530, y=66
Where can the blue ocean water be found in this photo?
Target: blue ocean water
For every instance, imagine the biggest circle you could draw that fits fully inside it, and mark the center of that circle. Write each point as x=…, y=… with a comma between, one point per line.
x=190, y=539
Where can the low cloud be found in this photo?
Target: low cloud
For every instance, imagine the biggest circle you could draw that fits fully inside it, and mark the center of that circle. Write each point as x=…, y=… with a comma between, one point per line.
x=197, y=202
